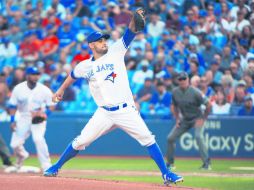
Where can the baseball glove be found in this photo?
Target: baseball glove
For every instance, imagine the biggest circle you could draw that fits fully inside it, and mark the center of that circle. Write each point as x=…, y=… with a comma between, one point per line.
x=38, y=119
x=139, y=19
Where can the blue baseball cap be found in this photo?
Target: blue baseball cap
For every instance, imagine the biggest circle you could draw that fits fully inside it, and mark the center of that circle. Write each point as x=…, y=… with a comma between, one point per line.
x=32, y=71
x=95, y=36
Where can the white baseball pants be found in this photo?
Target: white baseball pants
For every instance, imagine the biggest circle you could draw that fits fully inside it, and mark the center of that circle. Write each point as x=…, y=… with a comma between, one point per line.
x=128, y=119
x=22, y=132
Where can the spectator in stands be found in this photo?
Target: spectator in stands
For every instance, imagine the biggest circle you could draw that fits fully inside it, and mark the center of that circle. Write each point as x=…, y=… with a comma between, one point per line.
x=57, y=76
x=67, y=40
x=155, y=29
x=234, y=69
x=228, y=88
x=250, y=68
x=15, y=35
x=81, y=10
x=3, y=23
x=195, y=81
x=8, y=53
x=191, y=20
x=139, y=76
x=4, y=90
x=83, y=55
x=34, y=26
x=193, y=69
x=246, y=35
x=220, y=105
x=29, y=50
x=247, y=109
x=169, y=84
x=18, y=76
x=102, y=22
x=244, y=53
x=18, y=20
x=239, y=98
x=161, y=100
x=85, y=27
x=60, y=9
x=209, y=51
x=202, y=26
x=28, y=12
x=50, y=44
x=240, y=5
x=249, y=83
x=169, y=72
x=210, y=19
x=238, y=25
x=144, y=95
x=217, y=74
x=226, y=58
x=205, y=88
x=173, y=20
x=40, y=9
x=51, y=20
x=252, y=22
x=123, y=17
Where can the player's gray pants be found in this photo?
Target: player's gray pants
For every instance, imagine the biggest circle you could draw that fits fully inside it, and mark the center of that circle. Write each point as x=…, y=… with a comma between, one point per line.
x=4, y=151
x=178, y=131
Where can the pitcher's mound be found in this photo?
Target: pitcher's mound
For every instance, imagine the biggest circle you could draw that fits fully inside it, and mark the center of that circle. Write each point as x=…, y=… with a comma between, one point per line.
x=26, y=182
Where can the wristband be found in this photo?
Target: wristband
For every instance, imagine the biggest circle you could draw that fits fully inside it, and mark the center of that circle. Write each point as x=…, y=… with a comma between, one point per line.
x=48, y=112
x=12, y=118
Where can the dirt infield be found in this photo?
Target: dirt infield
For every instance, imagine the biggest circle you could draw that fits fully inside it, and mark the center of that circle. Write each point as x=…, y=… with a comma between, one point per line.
x=87, y=173
x=71, y=180
x=31, y=182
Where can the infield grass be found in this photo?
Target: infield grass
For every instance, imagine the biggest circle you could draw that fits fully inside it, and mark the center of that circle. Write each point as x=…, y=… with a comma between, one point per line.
x=193, y=177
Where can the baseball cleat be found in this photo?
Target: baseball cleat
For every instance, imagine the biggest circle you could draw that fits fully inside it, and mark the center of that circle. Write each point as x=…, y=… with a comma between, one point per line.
x=51, y=172
x=206, y=167
x=171, y=177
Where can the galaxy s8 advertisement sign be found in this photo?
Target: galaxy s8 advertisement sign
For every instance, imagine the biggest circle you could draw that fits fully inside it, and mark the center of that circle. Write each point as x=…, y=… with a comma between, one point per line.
x=223, y=137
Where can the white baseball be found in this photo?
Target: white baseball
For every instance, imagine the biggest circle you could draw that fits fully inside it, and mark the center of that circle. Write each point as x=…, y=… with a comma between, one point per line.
x=56, y=99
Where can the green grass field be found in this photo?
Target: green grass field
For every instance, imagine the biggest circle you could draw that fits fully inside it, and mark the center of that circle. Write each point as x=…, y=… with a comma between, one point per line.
x=193, y=177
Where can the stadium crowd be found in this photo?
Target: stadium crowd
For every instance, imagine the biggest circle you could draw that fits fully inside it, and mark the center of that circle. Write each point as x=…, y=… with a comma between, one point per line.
x=212, y=40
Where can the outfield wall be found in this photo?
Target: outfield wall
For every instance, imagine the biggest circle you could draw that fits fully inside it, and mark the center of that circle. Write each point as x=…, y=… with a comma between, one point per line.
x=226, y=137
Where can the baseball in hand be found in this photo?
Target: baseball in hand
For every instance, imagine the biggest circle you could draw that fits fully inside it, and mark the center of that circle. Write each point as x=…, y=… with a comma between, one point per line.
x=56, y=99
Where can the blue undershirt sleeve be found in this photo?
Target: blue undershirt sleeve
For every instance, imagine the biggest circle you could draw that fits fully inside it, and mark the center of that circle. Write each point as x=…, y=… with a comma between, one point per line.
x=128, y=37
x=73, y=76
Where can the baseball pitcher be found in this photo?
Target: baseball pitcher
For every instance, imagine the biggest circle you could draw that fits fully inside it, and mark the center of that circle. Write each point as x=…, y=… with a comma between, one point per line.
x=108, y=82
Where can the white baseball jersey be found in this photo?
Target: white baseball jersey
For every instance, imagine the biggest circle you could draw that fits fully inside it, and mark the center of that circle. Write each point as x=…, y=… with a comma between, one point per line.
x=28, y=100
x=107, y=76
x=109, y=86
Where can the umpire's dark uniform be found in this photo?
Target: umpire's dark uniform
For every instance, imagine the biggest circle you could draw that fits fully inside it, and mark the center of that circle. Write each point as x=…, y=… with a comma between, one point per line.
x=188, y=103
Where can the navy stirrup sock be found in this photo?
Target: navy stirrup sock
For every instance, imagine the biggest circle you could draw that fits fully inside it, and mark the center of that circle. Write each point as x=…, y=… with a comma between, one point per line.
x=69, y=153
x=156, y=155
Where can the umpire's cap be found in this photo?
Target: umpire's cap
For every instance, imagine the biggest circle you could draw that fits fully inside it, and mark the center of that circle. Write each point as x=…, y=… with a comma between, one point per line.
x=182, y=75
x=95, y=36
x=32, y=71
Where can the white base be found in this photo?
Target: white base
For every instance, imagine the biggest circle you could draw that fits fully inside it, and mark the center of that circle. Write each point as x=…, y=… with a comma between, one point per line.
x=22, y=169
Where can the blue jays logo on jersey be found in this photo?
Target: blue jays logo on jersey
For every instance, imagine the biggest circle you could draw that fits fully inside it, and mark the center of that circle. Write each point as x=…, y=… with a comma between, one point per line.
x=111, y=77
x=99, y=68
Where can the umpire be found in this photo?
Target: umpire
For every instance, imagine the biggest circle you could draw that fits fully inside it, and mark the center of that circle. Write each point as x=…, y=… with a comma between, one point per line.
x=186, y=108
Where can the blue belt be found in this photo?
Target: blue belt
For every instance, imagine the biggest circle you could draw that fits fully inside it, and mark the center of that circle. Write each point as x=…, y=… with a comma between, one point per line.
x=115, y=108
